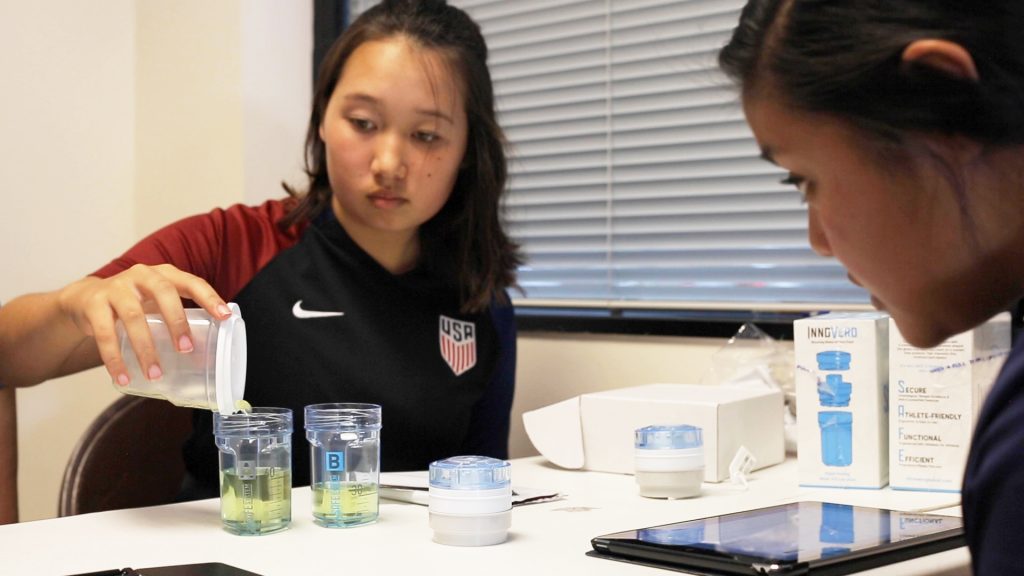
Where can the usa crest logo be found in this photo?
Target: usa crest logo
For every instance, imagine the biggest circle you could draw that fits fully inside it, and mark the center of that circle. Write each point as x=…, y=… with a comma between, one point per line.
x=458, y=344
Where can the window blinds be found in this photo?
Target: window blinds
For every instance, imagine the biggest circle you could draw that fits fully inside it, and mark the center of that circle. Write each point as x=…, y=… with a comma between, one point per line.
x=634, y=180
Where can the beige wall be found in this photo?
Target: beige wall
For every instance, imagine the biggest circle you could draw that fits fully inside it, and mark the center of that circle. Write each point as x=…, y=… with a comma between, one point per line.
x=277, y=91
x=188, y=97
x=118, y=117
x=222, y=93
x=67, y=113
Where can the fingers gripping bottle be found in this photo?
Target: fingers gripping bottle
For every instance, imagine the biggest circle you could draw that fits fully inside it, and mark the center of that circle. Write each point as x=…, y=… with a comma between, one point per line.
x=211, y=376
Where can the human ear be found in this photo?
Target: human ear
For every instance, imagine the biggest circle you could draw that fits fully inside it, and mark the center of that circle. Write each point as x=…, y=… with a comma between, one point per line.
x=943, y=56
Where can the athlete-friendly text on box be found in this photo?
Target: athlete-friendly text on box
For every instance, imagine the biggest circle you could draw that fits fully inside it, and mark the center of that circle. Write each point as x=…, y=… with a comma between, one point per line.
x=936, y=394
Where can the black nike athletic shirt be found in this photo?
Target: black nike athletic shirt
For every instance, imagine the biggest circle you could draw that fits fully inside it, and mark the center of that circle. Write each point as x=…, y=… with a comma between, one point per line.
x=444, y=380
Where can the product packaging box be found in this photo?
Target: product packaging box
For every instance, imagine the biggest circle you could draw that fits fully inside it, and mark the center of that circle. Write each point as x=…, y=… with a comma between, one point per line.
x=842, y=376
x=936, y=394
x=596, y=431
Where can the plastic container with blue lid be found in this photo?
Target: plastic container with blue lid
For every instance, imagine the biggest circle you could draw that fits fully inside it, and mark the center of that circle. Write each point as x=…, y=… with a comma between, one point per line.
x=470, y=500
x=669, y=460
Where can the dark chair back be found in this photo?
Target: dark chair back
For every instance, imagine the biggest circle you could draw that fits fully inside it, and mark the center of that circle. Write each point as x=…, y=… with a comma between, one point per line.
x=130, y=456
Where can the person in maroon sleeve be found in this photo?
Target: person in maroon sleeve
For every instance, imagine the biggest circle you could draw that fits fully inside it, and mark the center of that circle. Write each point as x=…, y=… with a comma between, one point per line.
x=902, y=125
x=348, y=286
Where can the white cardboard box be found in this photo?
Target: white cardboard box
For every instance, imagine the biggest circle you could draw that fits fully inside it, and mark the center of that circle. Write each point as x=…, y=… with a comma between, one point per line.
x=936, y=394
x=842, y=438
x=596, y=431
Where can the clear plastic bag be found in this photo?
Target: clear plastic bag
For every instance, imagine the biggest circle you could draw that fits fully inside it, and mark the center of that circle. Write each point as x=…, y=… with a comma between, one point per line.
x=752, y=355
x=753, y=358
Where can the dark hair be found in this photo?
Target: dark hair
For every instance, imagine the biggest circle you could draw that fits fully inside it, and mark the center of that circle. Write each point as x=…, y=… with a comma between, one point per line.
x=465, y=240
x=844, y=57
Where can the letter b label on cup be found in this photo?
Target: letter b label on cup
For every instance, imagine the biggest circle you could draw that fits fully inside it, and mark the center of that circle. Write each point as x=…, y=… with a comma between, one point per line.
x=334, y=461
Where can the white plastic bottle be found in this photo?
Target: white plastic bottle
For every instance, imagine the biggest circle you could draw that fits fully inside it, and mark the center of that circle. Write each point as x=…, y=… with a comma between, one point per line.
x=211, y=376
x=470, y=500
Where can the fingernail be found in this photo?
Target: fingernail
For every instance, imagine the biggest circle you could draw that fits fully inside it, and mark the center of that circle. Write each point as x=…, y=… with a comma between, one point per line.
x=122, y=380
x=224, y=310
x=184, y=343
x=154, y=372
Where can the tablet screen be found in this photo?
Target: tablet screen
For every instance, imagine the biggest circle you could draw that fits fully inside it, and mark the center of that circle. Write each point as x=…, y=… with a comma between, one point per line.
x=789, y=535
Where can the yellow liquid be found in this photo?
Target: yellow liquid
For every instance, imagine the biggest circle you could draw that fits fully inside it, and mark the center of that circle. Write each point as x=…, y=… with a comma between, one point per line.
x=243, y=406
x=339, y=504
x=257, y=503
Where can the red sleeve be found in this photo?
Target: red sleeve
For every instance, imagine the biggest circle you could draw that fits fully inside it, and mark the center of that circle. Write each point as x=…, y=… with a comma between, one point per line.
x=227, y=248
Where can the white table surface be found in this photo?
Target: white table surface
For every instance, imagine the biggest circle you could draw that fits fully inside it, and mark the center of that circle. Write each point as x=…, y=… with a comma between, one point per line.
x=545, y=538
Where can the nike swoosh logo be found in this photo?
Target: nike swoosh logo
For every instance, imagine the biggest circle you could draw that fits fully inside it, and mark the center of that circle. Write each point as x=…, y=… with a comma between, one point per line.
x=299, y=312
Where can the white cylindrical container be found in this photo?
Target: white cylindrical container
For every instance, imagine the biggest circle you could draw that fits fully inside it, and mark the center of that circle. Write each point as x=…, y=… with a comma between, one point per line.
x=212, y=376
x=470, y=500
x=669, y=461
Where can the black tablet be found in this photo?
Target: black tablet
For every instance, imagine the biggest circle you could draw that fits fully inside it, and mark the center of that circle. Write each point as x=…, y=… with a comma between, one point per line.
x=817, y=538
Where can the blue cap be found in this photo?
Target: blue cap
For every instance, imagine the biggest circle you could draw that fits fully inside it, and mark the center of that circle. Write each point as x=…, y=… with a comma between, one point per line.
x=833, y=360
x=675, y=437
x=470, y=473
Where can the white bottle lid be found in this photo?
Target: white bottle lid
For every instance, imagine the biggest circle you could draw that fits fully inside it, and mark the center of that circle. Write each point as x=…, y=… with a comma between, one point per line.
x=231, y=360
